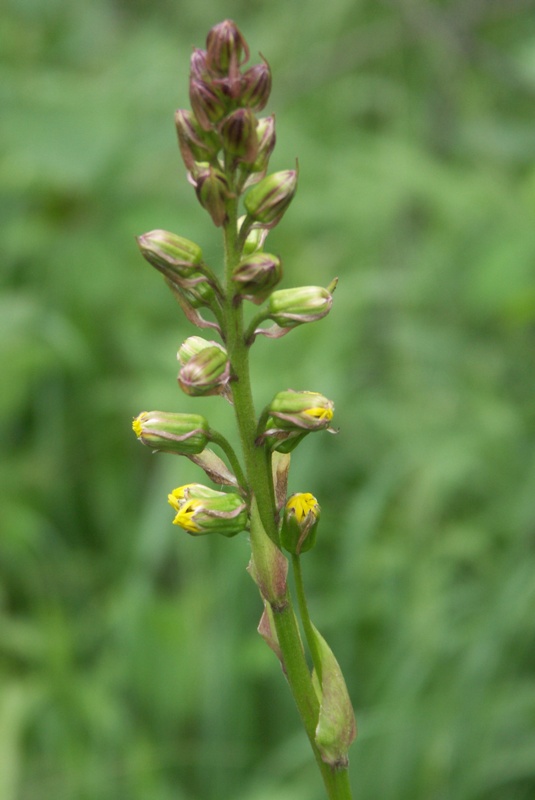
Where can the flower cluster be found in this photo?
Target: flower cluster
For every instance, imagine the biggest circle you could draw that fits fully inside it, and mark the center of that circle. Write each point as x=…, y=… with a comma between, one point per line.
x=226, y=148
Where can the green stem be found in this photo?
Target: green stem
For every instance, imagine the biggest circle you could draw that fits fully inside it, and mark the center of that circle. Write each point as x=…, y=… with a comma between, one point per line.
x=305, y=617
x=226, y=447
x=260, y=481
x=264, y=532
x=335, y=779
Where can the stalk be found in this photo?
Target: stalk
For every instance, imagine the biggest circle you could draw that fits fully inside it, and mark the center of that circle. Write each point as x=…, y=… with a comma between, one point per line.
x=224, y=146
x=263, y=513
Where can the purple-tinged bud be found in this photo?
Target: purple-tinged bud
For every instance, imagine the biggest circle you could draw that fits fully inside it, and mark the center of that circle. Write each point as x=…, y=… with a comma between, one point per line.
x=256, y=275
x=238, y=133
x=198, y=68
x=201, y=510
x=268, y=200
x=206, y=373
x=265, y=132
x=195, y=143
x=292, y=307
x=173, y=255
x=226, y=48
x=256, y=86
x=299, y=523
x=183, y=434
x=207, y=104
x=212, y=190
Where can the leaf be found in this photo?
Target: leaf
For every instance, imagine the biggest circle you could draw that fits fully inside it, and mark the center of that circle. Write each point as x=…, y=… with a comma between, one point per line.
x=336, y=727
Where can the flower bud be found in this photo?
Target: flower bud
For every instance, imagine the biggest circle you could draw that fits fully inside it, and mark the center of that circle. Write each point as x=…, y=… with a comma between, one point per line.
x=195, y=143
x=265, y=132
x=299, y=523
x=308, y=410
x=198, y=67
x=291, y=416
x=183, y=434
x=238, y=132
x=226, y=47
x=268, y=200
x=255, y=238
x=292, y=307
x=191, y=347
x=207, y=104
x=198, y=290
x=173, y=255
x=256, y=275
x=206, y=373
x=212, y=191
x=201, y=510
x=256, y=86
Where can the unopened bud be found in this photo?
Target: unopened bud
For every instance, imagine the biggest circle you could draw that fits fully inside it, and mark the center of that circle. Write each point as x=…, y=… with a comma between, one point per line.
x=238, y=132
x=198, y=67
x=174, y=256
x=265, y=132
x=268, y=200
x=300, y=522
x=205, y=373
x=183, y=434
x=292, y=307
x=191, y=347
x=226, y=47
x=207, y=104
x=195, y=143
x=255, y=238
x=291, y=416
x=201, y=510
x=310, y=411
x=212, y=191
x=256, y=275
x=256, y=83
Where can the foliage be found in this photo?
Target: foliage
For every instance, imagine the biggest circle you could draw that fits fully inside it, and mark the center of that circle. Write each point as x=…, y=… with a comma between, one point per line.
x=122, y=672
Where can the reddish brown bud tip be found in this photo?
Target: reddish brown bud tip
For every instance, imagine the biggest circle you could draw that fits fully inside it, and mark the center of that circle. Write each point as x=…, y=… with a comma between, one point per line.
x=226, y=47
x=212, y=191
x=238, y=132
x=256, y=84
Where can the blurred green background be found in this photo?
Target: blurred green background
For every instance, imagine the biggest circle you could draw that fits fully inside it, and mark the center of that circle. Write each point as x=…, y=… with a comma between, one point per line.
x=129, y=664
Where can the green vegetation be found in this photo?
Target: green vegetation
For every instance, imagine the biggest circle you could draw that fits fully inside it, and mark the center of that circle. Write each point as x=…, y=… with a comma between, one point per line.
x=128, y=666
